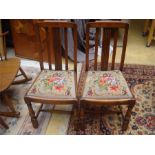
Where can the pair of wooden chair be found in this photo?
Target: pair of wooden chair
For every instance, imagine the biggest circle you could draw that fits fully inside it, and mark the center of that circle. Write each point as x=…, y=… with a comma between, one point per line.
x=9, y=68
x=59, y=86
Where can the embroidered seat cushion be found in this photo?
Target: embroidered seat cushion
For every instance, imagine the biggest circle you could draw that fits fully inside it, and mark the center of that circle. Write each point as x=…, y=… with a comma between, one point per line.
x=106, y=84
x=54, y=84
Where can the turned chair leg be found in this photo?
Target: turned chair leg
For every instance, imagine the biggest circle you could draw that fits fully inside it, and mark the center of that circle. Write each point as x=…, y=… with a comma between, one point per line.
x=32, y=114
x=82, y=115
x=3, y=123
x=127, y=117
x=76, y=117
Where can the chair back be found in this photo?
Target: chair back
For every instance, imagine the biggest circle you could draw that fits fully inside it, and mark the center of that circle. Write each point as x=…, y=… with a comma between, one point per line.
x=109, y=32
x=3, y=51
x=53, y=42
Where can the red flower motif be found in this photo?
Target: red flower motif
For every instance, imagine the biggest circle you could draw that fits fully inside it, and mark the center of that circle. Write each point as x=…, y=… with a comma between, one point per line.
x=114, y=88
x=103, y=80
x=52, y=79
x=59, y=87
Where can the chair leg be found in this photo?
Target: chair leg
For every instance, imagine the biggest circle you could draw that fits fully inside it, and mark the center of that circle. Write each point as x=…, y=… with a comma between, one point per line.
x=23, y=80
x=146, y=25
x=3, y=123
x=9, y=103
x=32, y=115
x=127, y=117
x=150, y=37
x=75, y=116
x=82, y=121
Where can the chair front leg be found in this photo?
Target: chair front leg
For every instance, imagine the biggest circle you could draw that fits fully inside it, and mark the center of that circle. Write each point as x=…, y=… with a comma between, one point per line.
x=127, y=116
x=32, y=114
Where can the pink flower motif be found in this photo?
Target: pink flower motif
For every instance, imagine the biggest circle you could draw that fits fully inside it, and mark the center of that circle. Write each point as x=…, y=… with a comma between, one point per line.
x=33, y=90
x=140, y=121
x=90, y=92
x=52, y=79
x=150, y=122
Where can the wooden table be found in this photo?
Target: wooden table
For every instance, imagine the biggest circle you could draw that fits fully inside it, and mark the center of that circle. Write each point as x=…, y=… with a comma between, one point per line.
x=8, y=71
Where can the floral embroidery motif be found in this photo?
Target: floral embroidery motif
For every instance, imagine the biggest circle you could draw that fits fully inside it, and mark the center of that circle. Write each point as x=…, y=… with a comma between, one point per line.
x=148, y=121
x=53, y=84
x=106, y=84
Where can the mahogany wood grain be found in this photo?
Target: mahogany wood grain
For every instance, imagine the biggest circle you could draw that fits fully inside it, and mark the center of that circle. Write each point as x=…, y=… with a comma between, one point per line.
x=66, y=48
x=96, y=48
x=114, y=48
x=109, y=33
x=108, y=28
x=54, y=38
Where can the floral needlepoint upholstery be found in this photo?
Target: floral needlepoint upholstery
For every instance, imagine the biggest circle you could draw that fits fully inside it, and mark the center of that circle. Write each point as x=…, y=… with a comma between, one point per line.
x=54, y=84
x=106, y=84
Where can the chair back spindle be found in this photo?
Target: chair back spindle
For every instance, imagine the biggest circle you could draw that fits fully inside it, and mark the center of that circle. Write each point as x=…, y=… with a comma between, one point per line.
x=109, y=35
x=54, y=42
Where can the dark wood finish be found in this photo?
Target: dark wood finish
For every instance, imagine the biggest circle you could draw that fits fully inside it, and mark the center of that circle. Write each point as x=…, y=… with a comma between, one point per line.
x=9, y=68
x=52, y=28
x=32, y=114
x=110, y=32
x=114, y=48
x=105, y=48
x=3, y=123
x=24, y=39
x=66, y=49
x=108, y=28
x=96, y=48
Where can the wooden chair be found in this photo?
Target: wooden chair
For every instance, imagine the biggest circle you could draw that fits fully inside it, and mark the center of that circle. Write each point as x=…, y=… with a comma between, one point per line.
x=149, y=28
x=104, y=86
x=53, y=85
x=9, y=68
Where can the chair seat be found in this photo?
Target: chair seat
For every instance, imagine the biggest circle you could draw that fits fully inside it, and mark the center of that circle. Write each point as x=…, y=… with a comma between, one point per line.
x=106, y=85
x=54, y=84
